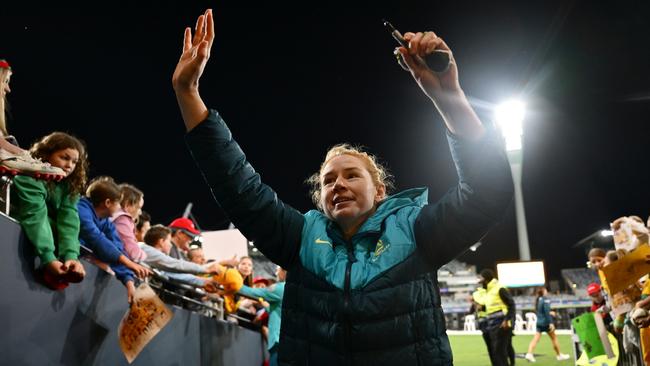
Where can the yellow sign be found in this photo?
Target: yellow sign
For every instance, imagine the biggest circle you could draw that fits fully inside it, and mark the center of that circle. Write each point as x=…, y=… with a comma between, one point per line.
x=627, y=270
x=144, y=319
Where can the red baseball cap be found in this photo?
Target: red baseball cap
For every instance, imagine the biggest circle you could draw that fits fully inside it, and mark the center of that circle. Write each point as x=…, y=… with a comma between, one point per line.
x=186, y=225
x=593, y=288
x=4, y=64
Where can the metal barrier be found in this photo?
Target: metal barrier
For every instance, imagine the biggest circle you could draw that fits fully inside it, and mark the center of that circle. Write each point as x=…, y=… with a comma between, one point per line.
x=632, y=357
x=78, y=326
x=5, y=189
x=162, y=283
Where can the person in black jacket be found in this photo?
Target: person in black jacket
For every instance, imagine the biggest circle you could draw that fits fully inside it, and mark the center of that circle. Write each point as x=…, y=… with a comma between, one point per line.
x=362, y=283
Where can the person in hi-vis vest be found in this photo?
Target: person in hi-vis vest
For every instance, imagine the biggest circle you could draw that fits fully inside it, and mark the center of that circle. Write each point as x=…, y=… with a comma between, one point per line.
x=500, y=309
x=478, y=306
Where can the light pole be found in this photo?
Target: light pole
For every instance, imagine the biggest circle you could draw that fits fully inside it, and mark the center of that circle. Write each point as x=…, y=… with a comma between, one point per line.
x=510, y=117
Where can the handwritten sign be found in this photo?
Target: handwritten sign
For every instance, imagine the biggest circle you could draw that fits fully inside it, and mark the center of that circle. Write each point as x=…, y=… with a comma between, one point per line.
x=624, y=301
x=627, y=270
x=144, y=319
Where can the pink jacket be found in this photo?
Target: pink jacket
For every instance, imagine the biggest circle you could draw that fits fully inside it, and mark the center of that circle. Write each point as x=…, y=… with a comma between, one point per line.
x=126, y=230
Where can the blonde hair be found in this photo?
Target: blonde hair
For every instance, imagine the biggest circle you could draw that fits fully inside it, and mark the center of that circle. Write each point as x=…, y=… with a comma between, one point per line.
x=379, y=174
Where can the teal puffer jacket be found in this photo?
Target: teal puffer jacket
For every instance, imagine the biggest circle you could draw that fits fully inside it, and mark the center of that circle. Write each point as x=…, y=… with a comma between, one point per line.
x=373, y=300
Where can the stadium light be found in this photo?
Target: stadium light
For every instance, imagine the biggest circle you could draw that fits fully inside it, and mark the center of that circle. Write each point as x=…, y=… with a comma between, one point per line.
x=475, y=246
x=509, y=117
x=605, y=233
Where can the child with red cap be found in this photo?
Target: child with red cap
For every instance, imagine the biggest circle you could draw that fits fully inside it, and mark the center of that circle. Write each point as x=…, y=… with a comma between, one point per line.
x=599, y=305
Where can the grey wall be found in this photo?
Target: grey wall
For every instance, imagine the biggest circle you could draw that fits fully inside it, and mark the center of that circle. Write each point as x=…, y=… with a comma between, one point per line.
x=78, y=326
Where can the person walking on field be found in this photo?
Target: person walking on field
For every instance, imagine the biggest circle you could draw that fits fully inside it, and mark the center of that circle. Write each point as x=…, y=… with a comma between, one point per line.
x=545, y=323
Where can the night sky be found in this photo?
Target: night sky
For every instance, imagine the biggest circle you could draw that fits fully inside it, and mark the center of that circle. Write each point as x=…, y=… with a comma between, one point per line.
x=294, y=80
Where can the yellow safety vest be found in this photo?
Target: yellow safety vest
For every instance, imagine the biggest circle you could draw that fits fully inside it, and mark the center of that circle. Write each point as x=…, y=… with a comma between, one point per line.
x=479, y=297
x=493, y=302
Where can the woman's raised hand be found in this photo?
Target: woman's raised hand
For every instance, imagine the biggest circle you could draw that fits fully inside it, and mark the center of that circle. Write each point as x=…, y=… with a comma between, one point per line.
x=422, y=44
x=442, y=88
x=196, y=52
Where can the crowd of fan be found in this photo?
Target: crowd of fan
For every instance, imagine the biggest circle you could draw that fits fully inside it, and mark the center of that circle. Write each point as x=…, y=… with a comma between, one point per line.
x=626, y=312
x=66, y=218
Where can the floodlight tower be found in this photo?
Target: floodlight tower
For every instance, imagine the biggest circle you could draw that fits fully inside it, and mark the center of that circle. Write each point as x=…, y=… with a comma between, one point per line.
x=509, y=116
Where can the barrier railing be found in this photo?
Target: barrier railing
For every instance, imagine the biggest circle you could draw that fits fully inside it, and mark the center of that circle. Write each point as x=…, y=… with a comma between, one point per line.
x=78, y=326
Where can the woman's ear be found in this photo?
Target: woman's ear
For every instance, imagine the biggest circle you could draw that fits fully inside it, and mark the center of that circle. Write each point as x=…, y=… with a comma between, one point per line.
x=107, y=202
x=381, y=193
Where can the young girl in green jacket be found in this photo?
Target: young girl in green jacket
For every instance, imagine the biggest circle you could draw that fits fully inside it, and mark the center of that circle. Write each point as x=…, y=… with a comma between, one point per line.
x=47, y=211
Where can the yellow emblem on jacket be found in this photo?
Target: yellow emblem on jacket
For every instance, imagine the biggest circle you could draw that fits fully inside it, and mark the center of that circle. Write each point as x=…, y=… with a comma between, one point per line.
x=379, y=249
x=319, y=241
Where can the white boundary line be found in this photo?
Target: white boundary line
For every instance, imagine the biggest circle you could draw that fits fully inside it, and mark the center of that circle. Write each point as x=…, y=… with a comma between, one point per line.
x=519, y=332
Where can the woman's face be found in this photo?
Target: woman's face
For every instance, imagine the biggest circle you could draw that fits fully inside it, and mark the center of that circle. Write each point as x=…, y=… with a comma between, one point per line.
x=65, y=159
x=348, y=193
x=245, y=267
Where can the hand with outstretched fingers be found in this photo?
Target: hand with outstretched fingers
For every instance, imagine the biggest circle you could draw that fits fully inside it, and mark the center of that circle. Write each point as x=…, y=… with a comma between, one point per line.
x=195, y=55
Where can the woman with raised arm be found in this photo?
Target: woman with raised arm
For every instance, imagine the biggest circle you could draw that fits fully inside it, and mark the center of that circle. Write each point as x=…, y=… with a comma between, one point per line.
x=361, y=286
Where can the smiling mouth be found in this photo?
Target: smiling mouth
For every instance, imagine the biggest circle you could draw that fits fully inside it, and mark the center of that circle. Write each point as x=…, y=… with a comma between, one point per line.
x=341, y=200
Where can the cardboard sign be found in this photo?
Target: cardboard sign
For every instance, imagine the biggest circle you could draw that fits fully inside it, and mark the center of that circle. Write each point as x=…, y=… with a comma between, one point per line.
x=629, y=232
x=624, y=301
x=627, y=270
x=144, y=319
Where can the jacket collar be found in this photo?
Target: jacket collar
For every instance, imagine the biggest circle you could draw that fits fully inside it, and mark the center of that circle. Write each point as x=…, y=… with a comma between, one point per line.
x=119, y=213
x=417, y=197
x=84, y=201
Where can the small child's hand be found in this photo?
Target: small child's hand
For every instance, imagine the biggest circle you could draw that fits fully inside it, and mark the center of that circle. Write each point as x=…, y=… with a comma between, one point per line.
x=56, y=268
x=130, y=292
x=140, y=271
x=74, y=270
x=54, y=275
x=232, y=262
x=211, y=286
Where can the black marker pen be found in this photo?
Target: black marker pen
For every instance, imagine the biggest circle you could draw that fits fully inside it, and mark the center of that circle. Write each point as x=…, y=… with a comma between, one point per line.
x=396, y=34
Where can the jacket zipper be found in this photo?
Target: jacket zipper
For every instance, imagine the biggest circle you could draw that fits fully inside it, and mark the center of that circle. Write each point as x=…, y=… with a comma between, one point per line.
x=347, y=291
x=346, y=300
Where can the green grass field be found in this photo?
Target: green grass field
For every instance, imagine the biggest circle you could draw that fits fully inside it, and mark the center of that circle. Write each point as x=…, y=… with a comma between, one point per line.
x=469, y=350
